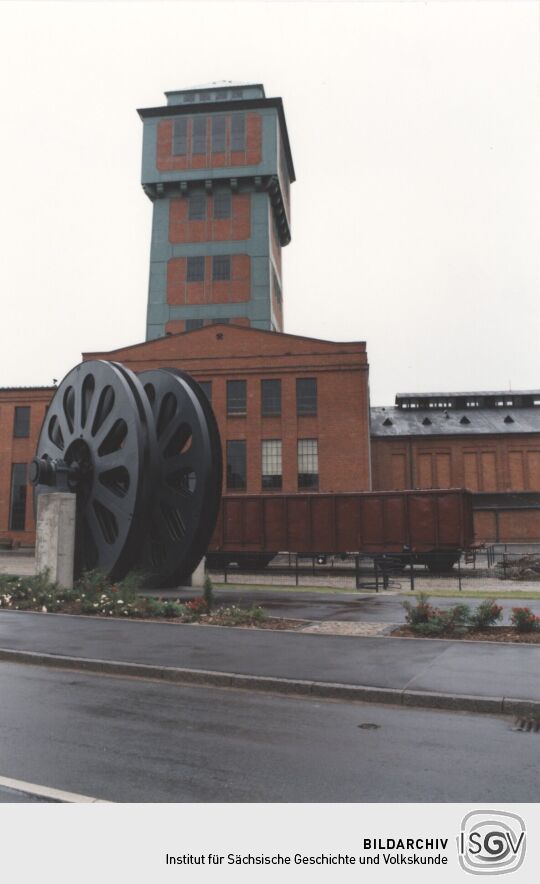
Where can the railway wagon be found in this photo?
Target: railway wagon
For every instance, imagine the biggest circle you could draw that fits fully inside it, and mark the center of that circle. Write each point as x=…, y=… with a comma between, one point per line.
x=433, y=526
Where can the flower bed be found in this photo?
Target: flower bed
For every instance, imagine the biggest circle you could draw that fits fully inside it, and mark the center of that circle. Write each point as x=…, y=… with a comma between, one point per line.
x=460, y=621
x=93, y=594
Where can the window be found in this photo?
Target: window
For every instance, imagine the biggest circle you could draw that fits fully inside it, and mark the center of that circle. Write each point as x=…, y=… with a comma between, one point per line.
x=197, y=206
x=18, y=497
x=221, y=267
x=306, y=396
x=179, y=142
x=271, y=463
x=199, y=135
x=236, y=464
x=308, y=464
x=218, y=134
x=270, y=397
x=238, y=132
x=236, y=397
x=192, y=324
x=21, y=425
x=237, y=93
x=189, y=97
x=222, y=204
x=206, y=387
x=195, y=269
x=224, y=321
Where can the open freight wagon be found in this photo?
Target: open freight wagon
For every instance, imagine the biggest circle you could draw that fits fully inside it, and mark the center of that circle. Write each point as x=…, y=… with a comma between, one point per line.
x=431, y=526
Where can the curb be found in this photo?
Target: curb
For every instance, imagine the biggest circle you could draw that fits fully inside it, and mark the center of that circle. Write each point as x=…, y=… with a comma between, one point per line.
x=289, y=686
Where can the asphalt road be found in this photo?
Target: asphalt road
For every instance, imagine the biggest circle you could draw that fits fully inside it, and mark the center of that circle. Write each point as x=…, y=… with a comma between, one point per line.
x=128, y=740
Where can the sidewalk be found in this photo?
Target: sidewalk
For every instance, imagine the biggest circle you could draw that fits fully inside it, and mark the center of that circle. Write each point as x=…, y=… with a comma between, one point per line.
x=477, y=676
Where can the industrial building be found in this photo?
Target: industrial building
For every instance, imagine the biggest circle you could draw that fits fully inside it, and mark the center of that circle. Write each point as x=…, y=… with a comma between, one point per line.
x=293, y=412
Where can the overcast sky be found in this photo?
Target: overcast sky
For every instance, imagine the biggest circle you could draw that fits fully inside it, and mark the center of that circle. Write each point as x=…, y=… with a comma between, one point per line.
x=415, y=135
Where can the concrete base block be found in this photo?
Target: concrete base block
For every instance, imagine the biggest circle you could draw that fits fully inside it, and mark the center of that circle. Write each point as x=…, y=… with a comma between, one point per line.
x=55, y=536
x=199, y=574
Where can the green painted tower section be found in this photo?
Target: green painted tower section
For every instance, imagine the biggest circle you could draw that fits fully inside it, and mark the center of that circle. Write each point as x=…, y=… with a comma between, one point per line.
x=217, y=166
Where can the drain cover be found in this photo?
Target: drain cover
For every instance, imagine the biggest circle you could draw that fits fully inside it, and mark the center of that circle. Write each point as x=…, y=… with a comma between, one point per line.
x=369, y=726
x=527, y=725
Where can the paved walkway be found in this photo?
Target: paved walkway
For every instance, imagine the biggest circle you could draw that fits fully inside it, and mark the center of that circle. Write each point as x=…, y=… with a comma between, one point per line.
x=412, y=670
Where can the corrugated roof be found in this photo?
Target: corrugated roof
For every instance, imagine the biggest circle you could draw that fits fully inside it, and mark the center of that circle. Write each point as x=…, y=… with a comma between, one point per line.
x=393, y=421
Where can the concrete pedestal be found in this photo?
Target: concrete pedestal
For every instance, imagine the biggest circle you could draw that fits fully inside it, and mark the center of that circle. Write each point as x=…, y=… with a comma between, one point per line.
x=55, y=536
x=197, y=578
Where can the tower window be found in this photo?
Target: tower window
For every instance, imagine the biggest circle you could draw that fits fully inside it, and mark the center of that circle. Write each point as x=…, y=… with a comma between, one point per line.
x=199, y=135
x=218, y=134
x=18, y=497
x=222, y=204
x=221, y=267
x=270, y=397
x=21, y=425
x=192, y=324
x=179, y=144
x=197, y=206
x=237, y=93
x=271, y=463
x=236, y=397
x=238, y=132
x=195, y=269
x=306, y=395
x=308, y=463
x=189, y=97
x=236, y=463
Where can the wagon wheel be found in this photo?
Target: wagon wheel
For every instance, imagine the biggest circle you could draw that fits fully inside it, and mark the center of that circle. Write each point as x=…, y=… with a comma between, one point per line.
x=99, y=425
x=187, y=488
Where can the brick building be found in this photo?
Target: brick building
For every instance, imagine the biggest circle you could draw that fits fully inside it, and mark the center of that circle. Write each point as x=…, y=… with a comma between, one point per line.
x=293, y=412
x=488, y=442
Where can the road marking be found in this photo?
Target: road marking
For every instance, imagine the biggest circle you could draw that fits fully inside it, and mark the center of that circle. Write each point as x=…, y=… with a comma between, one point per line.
x=37, y=791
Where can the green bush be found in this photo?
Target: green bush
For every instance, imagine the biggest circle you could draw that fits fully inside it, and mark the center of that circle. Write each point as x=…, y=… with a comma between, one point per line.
x=524, y=620
x=424, y=619
x=487, y=614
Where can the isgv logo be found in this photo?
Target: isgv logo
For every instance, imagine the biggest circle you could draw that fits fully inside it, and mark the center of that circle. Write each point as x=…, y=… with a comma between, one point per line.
x=491, y=842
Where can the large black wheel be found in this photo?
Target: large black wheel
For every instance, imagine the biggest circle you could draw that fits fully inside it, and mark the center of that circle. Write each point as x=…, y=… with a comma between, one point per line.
x=187, y=486
x=100, y=426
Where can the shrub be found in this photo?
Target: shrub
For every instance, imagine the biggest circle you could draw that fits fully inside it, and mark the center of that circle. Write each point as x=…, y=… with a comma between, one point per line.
x=486, y=614
x=424, y=619
x=419, y=613
x=208, y=593
x=524, y=620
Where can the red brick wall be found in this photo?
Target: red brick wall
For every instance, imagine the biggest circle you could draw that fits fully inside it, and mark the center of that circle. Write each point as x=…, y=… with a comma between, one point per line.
x=484, y=463
x=18, y=451
x=237, y=227
x=251, y=156
x=341, y=425
x=180, y=292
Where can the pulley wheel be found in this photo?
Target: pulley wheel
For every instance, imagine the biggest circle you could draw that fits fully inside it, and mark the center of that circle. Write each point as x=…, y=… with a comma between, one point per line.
x=187, y=489
x=100, y=425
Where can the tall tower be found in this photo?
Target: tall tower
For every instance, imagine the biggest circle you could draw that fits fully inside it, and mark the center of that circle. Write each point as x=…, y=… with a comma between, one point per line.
x=217, y=166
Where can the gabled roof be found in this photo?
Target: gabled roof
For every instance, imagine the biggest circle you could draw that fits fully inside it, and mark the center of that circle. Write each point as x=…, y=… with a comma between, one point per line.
x=274, y=342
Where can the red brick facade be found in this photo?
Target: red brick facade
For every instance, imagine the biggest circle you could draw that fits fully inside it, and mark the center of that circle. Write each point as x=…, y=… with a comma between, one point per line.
x=482, y=463
x=184, y=230
x=20, y=450
x=341, y=425
x=208, y=291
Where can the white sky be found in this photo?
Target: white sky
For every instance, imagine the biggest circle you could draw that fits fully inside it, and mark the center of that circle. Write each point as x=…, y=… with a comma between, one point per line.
x=415, y=135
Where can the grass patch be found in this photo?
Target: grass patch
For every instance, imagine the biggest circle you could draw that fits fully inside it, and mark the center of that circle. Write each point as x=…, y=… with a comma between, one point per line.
x=474, y=594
